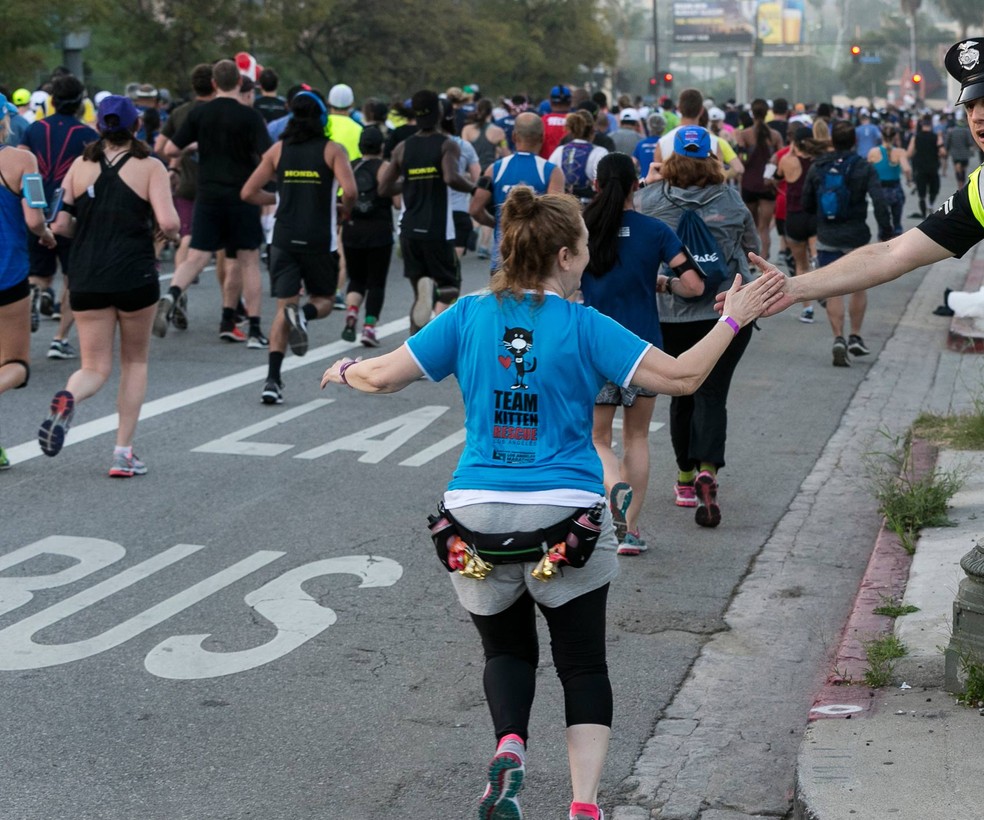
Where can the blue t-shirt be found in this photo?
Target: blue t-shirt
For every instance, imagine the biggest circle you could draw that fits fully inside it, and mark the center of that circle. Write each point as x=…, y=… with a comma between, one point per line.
x=644, y=151
x=56, y=141
x=627, y=292
x=529, y=372
x=868, y=136
x=521, y=168
x=507, y=124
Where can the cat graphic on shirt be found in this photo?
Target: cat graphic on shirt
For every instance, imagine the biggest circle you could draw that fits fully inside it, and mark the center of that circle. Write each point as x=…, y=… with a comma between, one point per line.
x=518, y=341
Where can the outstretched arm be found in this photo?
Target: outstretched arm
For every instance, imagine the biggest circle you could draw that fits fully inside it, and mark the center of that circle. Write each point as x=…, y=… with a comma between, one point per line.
x=682, y=375
x=381, y=374
x=865, y=267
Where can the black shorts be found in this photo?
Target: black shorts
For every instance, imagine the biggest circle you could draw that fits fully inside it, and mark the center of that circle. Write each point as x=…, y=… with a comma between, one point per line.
x=430, y=257
x=462, y=228
x=125, y=301
x=288, y=269
x=800, y=226
x=15, y=292
x=226, y=226
x=44, y=261
x=757, y=196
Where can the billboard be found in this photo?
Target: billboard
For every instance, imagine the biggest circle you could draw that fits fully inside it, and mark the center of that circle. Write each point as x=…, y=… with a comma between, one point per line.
x=738, y=22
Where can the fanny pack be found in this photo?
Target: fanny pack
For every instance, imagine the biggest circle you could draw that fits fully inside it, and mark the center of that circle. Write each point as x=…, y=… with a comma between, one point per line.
x=475, y=554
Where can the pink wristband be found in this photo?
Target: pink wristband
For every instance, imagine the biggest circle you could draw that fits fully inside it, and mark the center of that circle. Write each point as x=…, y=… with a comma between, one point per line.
x=730, y=323
x=347, y=365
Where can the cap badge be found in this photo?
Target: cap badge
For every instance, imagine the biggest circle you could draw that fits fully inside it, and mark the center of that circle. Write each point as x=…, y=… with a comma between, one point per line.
x=969, y=56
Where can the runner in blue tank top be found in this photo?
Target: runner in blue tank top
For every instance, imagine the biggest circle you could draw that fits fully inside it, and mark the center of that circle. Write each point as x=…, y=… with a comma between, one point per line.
x=525, y=167
x=16, y=218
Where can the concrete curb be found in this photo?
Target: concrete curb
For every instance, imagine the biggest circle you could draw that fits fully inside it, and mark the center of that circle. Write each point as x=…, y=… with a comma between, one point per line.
x=885, y=577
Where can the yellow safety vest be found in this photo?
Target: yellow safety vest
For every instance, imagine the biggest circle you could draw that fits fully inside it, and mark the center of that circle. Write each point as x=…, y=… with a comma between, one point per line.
x=974, y=191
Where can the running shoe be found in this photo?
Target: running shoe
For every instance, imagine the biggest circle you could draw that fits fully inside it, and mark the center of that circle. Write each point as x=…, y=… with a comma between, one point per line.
x=56, y=311
x=369, y=336
x=232, y=334
x=297, y=336
x=339, y=303
x=180, y=317
x=620, y=498
x=61, y=349
x=126, y=466
x=506, y=773
x=807, y=316
x=35, y=308
x=686, y=495
x=856, y=346
x=483, y=253
x=586, y=811
x=632, y=544
x=839, y=351
x=423, y=304
x=273, y=392
x=348, y=332
x=708, y=512
x=257, y=341
x=51, y=436
x=47, y=303
x=165, y=310
x=4, y=460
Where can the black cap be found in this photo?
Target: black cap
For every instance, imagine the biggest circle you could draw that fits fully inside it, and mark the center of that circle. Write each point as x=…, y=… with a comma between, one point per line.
x=370, y=140
x=963, y=62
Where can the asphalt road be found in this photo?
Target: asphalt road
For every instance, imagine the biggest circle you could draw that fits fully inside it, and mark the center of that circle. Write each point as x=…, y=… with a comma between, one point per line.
x=258, y=628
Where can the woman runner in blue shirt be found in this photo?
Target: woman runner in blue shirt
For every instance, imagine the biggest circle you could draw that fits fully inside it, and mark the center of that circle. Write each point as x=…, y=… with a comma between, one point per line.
x=529, y=363
x=627, y=252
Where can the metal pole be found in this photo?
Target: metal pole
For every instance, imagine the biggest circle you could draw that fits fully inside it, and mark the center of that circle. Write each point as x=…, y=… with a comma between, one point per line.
x=656, y=69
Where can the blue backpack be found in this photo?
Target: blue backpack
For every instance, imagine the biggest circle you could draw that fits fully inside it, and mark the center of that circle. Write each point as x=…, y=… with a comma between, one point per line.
x=694, y=233
x=833, y=195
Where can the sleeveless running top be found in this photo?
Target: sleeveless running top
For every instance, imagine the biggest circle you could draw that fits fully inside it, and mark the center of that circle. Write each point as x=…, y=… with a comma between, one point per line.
x=14, y=264
x=306, y=216
x=794, y=190
x=887, y=170
x=484, y=148
x=757, y=157
x=113, y=248
x=426, y=204
x=926, y=156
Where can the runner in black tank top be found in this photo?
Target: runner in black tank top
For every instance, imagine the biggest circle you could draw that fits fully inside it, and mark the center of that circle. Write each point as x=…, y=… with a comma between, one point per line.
x=113, y=249
x=423, y=167
x=309, y=170
x=306, y=216
x=427, y=209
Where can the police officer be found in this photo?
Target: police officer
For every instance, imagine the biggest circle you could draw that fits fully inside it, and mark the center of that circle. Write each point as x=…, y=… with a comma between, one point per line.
x=952, y=230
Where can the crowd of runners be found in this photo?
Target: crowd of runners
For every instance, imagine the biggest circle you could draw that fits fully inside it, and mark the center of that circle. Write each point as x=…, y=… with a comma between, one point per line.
x=318, y=189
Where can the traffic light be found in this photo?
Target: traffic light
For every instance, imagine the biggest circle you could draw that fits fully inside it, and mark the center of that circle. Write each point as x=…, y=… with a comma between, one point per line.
x=916, y=80
x=856, y=54
x=652, y=82
x=668, y=81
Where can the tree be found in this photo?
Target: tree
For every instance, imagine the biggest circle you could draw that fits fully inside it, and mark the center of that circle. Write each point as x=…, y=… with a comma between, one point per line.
x=967, y=13
x=27, y=36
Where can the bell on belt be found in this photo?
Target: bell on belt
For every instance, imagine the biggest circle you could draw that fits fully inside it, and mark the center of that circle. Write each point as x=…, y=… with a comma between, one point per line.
x=475, y=568
x=547, y=566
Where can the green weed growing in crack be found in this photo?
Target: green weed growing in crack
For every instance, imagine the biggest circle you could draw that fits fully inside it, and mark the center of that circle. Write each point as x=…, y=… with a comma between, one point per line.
x=893, y=607
x=881, y=654
x=909, y=502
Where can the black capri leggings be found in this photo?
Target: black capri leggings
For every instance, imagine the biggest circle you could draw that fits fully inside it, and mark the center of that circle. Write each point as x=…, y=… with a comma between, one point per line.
x=367, y=269
x=577, y=642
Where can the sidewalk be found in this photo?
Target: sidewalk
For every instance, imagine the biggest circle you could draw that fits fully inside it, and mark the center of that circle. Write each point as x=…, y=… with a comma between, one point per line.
x=909, y=750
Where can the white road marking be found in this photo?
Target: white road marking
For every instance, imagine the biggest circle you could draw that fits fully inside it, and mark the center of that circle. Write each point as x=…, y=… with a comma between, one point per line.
x=234, y=445
x=167, y=404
